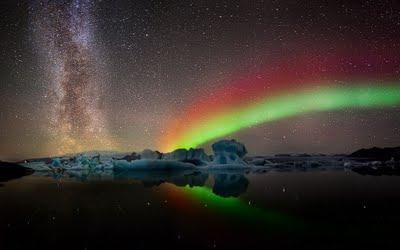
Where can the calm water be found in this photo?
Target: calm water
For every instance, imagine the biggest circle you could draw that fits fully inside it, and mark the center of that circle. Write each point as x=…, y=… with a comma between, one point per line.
x=274, y=210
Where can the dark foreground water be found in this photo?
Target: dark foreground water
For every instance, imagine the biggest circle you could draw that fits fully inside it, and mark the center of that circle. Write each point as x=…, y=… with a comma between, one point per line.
x=334, y=209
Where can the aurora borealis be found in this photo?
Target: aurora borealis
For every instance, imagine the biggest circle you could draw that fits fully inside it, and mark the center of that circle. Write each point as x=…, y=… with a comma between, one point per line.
x=275, y=108
x=252, y=100
x=83, y=75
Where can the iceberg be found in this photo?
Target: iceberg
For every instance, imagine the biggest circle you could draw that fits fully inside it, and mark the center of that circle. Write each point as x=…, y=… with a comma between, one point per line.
x=148, y=154
x=229, y=152
x=195, y=156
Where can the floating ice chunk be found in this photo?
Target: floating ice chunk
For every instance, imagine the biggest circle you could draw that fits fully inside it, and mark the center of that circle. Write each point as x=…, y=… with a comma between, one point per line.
x=312, y=164
x=37, y=166
x=194, y=156
x=231, y=146
x=197, y=154
x=258, y=161
x=347, y=164
x=133, y=156
x=56, y=163
x=121, y=164
x=148, y=154
x=176, y=155
x=229, y=152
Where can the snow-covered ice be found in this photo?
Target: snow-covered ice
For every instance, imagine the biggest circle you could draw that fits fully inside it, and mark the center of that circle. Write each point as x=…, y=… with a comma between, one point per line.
x=228, y=155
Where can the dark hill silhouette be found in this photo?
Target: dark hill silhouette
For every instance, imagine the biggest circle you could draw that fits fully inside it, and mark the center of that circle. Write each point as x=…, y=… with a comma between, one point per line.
x=10, y=171
x=375, y=153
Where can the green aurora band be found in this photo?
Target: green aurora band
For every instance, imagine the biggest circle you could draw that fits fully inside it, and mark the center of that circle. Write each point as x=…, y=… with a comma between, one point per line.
x=292, y=104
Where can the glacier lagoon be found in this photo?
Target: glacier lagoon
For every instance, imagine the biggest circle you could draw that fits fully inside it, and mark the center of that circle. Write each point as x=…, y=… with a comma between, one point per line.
x=187, y=199
x=276, y=208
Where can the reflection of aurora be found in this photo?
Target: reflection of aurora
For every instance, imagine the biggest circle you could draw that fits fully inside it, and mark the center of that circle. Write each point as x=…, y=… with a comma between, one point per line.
x=221, y=198
x=235, y=207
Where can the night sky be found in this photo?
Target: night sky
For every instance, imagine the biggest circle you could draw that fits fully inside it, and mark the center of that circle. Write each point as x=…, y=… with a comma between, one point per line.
x=86, y=75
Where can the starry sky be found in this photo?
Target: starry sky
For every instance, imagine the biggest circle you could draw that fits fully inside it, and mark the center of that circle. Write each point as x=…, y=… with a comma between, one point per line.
x=84, y=75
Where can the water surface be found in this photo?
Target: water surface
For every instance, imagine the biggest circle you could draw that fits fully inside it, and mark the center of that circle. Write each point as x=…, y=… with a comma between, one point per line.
x=318, y=209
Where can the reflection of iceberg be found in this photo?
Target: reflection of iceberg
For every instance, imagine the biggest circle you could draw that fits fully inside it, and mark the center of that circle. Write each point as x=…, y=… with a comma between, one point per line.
x=148, y=175
x=10, y=171
x=194, y=179
x=90, y=175
x=230, y=184
x=376, y=170
x=226, y=184
x=155, y=178
x=151, y=165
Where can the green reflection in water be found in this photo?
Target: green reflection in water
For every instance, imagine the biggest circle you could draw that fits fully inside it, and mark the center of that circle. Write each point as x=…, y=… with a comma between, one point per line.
x=243, y=211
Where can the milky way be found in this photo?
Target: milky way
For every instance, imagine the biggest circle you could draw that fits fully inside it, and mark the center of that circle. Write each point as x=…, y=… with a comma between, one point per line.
x=65, y=32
